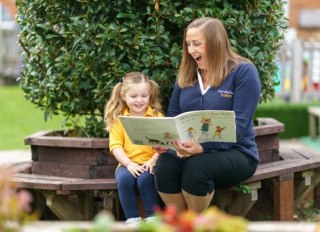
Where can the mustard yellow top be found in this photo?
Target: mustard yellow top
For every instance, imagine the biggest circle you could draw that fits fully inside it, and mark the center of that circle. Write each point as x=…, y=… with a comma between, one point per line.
x=118, y=138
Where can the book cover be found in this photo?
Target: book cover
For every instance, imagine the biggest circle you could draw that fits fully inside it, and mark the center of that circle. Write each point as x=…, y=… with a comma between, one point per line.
x=199, y=126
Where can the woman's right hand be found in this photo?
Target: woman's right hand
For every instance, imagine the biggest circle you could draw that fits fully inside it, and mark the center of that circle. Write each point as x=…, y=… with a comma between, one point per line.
x=187, y=149
x=135, y=169
x=160, y=149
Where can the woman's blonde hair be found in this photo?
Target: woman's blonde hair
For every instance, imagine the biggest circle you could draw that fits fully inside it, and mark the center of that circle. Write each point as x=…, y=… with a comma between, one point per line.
x=221, y=60
x=115, y=105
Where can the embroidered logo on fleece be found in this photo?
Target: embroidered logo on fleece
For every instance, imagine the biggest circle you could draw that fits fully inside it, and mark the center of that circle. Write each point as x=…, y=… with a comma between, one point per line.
x=225, y=93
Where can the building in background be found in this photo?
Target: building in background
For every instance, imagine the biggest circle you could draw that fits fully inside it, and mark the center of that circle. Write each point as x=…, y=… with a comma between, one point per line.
x=304, y=19
x=10, y=52
x=10, y=7
x=299, y=57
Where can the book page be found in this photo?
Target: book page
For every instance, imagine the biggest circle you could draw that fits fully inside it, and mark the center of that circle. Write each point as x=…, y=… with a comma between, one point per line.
x=150, y=130
x=207, y=126
x=198, y=126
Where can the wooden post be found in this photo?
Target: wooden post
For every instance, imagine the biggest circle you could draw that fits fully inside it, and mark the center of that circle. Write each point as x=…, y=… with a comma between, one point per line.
x=304, y=185
x=316, y=191
x=312, y=63
x=111, y=202
x=236, y=202
x=243, y=202
x=295, y=94
x=85, y=201
x=283, y=198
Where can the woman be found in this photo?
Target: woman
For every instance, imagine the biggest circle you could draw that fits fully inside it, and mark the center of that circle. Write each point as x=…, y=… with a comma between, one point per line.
x=211, y=77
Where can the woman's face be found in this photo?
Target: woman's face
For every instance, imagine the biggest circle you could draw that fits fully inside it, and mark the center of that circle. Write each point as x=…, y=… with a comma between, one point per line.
x=197, y=46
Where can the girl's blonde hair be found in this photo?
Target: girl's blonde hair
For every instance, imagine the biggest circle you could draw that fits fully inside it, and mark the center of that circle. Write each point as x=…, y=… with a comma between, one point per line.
x=221, y=60
x=115, y=105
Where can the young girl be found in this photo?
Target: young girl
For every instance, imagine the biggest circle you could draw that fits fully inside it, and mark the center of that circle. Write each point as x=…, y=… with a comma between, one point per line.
x=135, y=95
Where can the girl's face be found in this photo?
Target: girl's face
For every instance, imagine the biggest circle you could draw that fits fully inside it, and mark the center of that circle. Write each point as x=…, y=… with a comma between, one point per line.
x=137, y=98
x=196, y=44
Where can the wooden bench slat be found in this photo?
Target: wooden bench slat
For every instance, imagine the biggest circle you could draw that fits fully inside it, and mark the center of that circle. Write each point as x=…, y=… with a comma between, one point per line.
x=264, y=171
x=307, y=153
x=19, y=167
x=296, y=152
x=39, y=184
x=91, y=184
x=34, y=181
x=45, y=177
x=282, y=167
x=289, y=153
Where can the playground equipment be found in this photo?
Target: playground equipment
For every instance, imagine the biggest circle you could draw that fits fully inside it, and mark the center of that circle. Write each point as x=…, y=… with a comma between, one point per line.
x=299, y=71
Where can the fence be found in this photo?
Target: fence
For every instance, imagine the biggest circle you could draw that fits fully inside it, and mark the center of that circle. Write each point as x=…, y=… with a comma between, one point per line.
x=299, y=71
x=10, y=52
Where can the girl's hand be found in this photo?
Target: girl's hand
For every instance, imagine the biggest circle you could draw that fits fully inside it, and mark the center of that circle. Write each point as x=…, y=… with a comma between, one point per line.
x=135, y=169
x=149, y=165
x=187, y=149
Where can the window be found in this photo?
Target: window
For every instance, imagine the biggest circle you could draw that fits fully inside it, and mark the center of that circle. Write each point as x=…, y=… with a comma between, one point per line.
x=5, y=14
x=6, y=20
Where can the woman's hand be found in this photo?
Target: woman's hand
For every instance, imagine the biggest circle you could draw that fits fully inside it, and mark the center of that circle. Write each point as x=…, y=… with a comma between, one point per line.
x=187, y=149
x=159, y=149
x=135, y=169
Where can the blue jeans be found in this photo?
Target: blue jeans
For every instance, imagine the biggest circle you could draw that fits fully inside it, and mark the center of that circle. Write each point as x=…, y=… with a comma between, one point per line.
x=127, y=186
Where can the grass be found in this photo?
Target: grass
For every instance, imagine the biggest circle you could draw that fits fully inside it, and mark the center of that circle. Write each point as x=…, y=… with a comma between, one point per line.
x=19, y=118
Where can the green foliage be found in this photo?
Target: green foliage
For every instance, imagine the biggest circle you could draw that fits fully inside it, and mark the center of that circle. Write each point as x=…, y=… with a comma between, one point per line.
x=244, y=188
x=296, y=126
x=76, y=51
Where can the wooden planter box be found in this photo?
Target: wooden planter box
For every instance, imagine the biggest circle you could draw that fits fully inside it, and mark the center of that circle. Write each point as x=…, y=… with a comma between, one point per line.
x=267, y=131
x=55, y=155
x=89, y=158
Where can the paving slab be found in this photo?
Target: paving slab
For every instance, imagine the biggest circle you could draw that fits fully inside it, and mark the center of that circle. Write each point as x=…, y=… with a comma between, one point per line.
x=14, y=156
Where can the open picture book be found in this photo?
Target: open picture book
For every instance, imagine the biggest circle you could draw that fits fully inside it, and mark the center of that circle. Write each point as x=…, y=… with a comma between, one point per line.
x=199, y=126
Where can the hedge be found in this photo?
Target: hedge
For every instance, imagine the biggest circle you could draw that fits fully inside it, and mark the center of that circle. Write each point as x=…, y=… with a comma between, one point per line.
x=75, y=51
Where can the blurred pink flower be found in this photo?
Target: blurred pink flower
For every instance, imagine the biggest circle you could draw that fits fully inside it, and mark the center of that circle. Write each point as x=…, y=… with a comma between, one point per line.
x=25, y=200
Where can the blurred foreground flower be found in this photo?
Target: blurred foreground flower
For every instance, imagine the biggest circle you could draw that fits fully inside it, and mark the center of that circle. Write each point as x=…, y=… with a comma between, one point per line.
x=15, y=205
x=210, y=220
x=168, y=220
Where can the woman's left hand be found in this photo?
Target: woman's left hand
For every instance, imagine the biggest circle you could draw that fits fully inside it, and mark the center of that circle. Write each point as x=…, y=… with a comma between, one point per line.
x=187, y=149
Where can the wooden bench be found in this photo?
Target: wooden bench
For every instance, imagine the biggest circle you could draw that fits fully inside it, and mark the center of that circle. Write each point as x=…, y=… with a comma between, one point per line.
x=289, y=181
x=314, y=116
x=292, y=178
x=72, y=198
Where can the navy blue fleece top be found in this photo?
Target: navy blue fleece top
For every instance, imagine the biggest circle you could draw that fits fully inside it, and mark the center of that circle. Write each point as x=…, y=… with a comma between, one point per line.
x=239, y=92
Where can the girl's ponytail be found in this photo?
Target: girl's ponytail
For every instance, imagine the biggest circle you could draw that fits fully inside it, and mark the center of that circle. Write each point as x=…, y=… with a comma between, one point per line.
x=114, y=106
x=155, y=97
